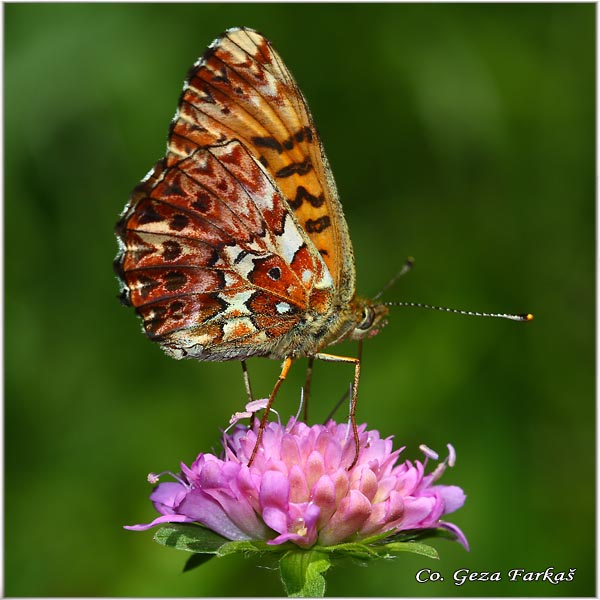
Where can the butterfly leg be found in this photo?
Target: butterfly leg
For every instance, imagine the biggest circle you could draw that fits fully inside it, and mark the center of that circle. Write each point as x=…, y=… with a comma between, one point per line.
x=347, y=393
x=247, y=381
x=306, y=394
x=287, y=363
x=356, y=363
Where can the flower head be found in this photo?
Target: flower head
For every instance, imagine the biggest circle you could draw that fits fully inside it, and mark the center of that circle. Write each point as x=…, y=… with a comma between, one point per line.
x=298, y=488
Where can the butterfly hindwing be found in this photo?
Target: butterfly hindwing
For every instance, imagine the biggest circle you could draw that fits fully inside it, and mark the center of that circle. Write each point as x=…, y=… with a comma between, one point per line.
x=213, y=261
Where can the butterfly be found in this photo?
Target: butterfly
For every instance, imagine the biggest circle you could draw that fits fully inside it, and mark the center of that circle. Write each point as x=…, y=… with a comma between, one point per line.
x=235, y=244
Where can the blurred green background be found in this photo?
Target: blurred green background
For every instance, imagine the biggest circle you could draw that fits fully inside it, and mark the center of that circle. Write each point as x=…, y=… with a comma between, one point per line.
x=460, y=134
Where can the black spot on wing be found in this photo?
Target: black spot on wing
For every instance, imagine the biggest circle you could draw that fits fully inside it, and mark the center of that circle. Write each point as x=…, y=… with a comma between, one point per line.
x=171, y=250
x=148, y=214
x=301, y=168
x=179, y=222
x=267, y=142
x=303, y=133
x=175, y=280
x=274, y=273
x=174, y=188
x=147, y=284
x=202, y=202
x=303, y=194
x=317, y=225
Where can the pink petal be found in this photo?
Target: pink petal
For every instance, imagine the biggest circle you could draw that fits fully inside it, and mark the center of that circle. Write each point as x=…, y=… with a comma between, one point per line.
x=298, y=485
x=276, y=519
x=333, y=455
x=323, y=495
x=395, y=506
x=376, y=520
x=460, y=536
x=385, y=486
x=453, y=497
x=199, y=507
x=341, y=483
x=353, y=511
x=248, y=483
x=368, y=484
x=167, y=496
x=290, y=453
x=315, y=467
x=159, y=521
x=274, y=490
x=417, y=511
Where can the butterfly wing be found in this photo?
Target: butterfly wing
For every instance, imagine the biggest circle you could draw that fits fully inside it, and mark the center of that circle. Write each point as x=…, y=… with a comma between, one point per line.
x=241, y=89
x=235, y=245
x=213, y=261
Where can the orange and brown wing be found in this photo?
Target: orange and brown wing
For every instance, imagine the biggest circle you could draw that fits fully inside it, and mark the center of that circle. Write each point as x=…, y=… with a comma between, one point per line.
x=212, y=260
x=241, y=89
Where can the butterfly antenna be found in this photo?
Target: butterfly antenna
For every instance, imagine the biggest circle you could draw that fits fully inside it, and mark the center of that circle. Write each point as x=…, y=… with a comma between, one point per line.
x=468, y=313
x=406, y=267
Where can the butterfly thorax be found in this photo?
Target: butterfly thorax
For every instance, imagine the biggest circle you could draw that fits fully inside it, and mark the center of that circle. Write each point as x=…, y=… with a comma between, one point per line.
x=354, y=321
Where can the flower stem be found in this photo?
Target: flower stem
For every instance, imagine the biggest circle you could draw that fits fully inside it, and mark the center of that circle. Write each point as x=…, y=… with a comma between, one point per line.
x=302, y=573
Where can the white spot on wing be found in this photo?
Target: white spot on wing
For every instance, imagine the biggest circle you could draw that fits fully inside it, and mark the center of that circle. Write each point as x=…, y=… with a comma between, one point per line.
x=290, y=241
x=231, y=279
x=325, y=281
x=262, y=198
x=148, y=174
x=237, y=302
x=282, y=307
x=203, y=339
x=240, y=262
x=256, y=246
x=233, y=328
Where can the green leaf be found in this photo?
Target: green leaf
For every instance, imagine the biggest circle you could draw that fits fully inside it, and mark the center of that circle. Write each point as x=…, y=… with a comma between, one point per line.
x=301, y=573
x=376, y=551
x=414, y=547
x=373, y=539
x=421, y=534
x=195, y=560
x=191, y=538
x=353, y=549
x=244, y=546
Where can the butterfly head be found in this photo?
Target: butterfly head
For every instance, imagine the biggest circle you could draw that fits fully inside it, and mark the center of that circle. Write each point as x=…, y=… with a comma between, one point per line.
x=369, y=318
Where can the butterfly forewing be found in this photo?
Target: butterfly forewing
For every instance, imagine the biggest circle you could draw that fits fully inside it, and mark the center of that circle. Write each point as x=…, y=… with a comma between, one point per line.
x=213, y=261
x=241, y=89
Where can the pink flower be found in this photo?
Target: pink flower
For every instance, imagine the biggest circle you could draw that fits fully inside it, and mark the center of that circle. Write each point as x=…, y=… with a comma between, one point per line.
x=299, y=490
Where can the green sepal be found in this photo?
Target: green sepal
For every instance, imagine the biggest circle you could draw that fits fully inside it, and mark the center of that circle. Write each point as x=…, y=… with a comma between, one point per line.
x=245, y=547
x=200, y=540
x=410, y=535
x=366, y=552
x=393, y=548
x=190, y=538
x=302, y=572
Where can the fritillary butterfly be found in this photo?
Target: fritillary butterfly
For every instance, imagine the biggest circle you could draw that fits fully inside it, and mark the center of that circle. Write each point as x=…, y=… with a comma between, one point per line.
x=235, y=245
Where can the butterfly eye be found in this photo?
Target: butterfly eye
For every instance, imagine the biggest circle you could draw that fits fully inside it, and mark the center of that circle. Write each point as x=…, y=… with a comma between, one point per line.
x=368, y=316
